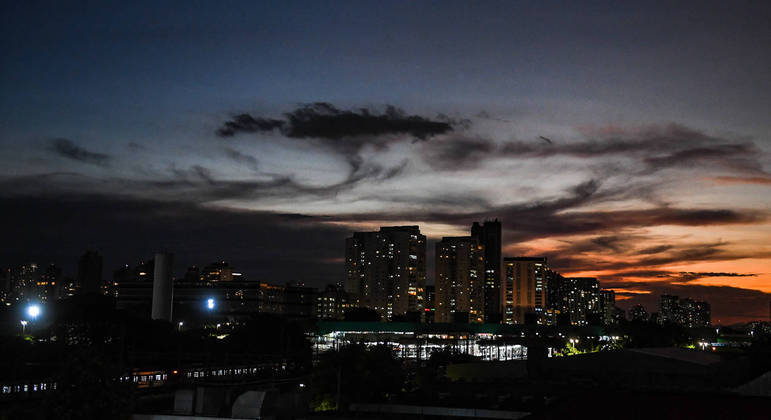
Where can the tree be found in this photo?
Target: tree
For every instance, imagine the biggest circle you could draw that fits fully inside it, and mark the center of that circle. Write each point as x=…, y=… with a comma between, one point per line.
x=88, y=388
x=360, y=374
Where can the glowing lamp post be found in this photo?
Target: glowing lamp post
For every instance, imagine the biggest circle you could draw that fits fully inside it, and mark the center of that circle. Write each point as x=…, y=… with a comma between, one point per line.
x=23, y=326
x=210, y=304
x=33, y=311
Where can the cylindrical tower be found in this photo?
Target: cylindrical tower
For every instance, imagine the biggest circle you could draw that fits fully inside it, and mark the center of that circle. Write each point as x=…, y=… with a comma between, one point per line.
x=163, y=286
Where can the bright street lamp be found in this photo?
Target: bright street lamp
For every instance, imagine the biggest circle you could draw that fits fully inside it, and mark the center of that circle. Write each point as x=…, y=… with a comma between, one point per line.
x=33, y=311
x=210, y=304
x=23, y=326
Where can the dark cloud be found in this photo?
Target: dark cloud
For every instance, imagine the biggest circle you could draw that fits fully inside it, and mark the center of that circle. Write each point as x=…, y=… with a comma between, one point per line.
x=615, y=244
x=655, y=249
x=345, y=132
x=322, y=120
x=68, y=149
x=242, y=158
x=760, y=180
x=245, y=123
x=679, y=276
x=199, y=184
x=654, y=148
x=561, y=217
x=458, y=153
x=264, y=245
x=566, y=260
x=691, y=275
x=734, y=156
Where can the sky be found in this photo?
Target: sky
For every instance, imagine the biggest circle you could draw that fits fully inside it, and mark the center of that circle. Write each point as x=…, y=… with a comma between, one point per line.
x=630, y=142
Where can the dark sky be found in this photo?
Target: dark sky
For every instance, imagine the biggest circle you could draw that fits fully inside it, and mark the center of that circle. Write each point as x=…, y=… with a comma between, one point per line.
x=630, y=142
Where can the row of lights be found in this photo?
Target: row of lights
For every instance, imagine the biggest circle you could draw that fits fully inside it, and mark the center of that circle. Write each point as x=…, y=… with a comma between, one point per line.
x=33, y=311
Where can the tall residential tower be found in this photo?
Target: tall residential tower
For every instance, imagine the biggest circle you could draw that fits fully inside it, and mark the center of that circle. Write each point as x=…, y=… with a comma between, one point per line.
x=488, y=236
x=386, y=270
x=524, y=288
x=460, y=266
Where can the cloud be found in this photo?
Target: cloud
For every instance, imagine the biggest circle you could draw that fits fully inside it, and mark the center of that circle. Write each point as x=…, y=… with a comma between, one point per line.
x=68, y=149
x=739, y=157
x=655, y=249
x=322, y=120
x=200, y=184
x=245, y=123
x=346, y=132
x=678, y=276
x=653, y=148
x=728, y=304
x=458, y=152
x=263, y=245
x=760, y=180
x=242, y=158
x=562, y=216
x=632, y=264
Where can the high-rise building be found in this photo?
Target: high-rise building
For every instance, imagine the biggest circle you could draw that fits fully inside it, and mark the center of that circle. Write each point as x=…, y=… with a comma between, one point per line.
x=608, y=306
x=693, y=314
x=217, y=271
x=90, y=273
x=579, y=297
x=193, y=274
x=668, y=309
x=686, y=312
x=489, y=236
x=332, y=303
x=299, y=301
x=430, y=305
x=21, y=283
x=523, y=288
x=49, y=282
x=459, y=278
x=638, y=314
x=271, y=299
x=386, y=270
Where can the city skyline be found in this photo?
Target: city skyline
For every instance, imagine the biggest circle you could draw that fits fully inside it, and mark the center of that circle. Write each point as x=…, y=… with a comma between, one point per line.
x=632, y=146
x=529, y=292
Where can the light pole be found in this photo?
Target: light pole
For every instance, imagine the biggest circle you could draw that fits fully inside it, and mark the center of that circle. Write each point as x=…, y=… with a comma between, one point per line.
x=33, y=311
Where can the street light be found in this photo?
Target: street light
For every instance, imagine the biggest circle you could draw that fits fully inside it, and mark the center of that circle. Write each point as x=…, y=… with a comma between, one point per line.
x=210, y=304
x=180, y=325
x=23, y=326
x=33, y=311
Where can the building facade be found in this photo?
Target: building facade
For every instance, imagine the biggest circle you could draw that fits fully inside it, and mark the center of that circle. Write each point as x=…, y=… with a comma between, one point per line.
x=89, y=278
x=523, y=288
x=686, y=312
x=488, y=235
x=460, y=280
x=332, y=303
x=578, y=297
x=386, y=270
